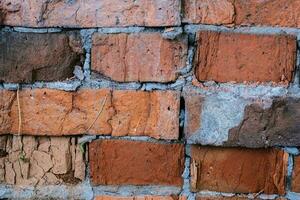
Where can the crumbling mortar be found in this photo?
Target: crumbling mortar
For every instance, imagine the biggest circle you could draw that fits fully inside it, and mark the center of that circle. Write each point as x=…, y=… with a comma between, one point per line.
x=184, y=79
x=185, y=75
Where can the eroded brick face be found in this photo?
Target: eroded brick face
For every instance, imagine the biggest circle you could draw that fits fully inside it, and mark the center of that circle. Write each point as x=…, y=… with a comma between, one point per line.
x=208, y=12
x=242, y=12
x=123, y=162
x=277, y=125
x=32, y=161
x=226, y=57
x=30, y=57
x=284, y=13
x=138, y=56
x=94, y=13
x=238, y=170
x=91, y=111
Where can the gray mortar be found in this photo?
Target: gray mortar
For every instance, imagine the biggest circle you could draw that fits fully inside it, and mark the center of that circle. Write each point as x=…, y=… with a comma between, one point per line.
x=219, y=114
x=80, y=191
x=37, y=30
x=233, y=94
x=130, y=190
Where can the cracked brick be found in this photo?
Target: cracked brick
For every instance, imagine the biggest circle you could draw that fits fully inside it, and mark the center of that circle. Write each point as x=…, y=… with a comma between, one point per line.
x=55, y=113
x=25, y=165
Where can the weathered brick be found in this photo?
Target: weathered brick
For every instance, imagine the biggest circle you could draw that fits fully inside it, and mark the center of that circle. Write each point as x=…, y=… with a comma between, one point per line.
x=23, y=163
x=124, y=162
x=268, y=12
x=156, y=114
x=242, y=12
x=54, y=112
x=296, y=175
x=277, y=125
x=224, y=57
x=29, y=57
x=238, y=170
x=148, y=197
x=94, y=13
x=208, y=12
x=237, y=121
x=138, y=56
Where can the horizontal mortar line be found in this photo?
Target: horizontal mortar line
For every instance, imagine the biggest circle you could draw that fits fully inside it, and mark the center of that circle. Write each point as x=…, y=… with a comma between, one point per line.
x=93, y=84
x=247, y=91
x=140, y=138
x=128, y=190
x=128, y=29
x=192, y=28
x=208, y=193
x=188, y=28
x=210, y=87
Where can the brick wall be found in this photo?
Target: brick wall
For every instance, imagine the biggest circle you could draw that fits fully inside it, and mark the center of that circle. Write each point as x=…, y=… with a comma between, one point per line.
x=150, y=99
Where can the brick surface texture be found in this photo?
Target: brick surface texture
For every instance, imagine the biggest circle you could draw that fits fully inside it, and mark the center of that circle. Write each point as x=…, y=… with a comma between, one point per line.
x=117, y=162
x=238, y=170
x=138, y=57
x=150, y=99
x=95, y=13
x=241, y=12
x=93, y=111
x=28, y=57
x=219, y=53
x=296, y=175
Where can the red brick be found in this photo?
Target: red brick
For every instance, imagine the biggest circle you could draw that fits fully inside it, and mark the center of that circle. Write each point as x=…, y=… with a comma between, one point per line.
x=238, y=57
x=243, y=12
x=268, y=12
x=156, y=113
x=54, y=112
x=92, y=13
x=296, y=175
x=138, y=56
x=29, y=57
x=124, y=162
x=208, y=12
x=238, y=170
x=147, y=197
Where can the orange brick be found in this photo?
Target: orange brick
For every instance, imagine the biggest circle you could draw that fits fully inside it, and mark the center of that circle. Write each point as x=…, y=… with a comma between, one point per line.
x=124, y=162
x=138, y=56
x=268, y=13
x=224, y=57
x=238, y=170
x=92, y=13
x=54, y=112
x=296, y=175
x=242, y=12
x=208, y=12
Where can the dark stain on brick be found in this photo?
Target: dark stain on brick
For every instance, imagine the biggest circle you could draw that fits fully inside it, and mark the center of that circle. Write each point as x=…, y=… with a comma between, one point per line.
x=29, y=57
x=278, y=125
